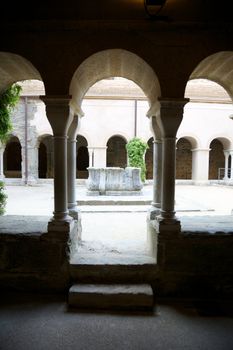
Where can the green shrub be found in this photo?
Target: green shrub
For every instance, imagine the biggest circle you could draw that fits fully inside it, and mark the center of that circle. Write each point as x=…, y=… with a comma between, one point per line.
x=8, y=100
x=3, y=198
x=136, y=149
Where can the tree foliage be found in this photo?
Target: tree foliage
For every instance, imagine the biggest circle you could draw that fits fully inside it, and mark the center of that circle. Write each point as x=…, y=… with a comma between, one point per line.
x=8, y=100
x=136, y=149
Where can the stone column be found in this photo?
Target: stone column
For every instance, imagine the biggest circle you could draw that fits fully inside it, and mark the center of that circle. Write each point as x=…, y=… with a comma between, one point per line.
x=1, y=163
x=91, y=156
x=58, y=114
x=99, y=156
x=71, y=165
x=231, y=154
x=50, y=158
x=157, y=169
x=226, y=155
x=32, y=165
x=200, y=164
x=171, y=114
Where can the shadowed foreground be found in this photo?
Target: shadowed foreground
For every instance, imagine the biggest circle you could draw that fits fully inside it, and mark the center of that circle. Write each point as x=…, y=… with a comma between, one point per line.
x=44, y=322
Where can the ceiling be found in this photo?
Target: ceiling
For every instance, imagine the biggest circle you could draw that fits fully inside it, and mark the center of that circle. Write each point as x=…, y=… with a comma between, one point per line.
x=177, y=10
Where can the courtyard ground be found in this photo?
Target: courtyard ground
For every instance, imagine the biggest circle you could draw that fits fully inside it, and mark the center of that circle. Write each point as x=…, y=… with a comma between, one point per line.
x=122, y=229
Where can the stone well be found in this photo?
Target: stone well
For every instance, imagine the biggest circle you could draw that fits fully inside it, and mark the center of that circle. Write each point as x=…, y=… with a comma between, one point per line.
x=114, y=181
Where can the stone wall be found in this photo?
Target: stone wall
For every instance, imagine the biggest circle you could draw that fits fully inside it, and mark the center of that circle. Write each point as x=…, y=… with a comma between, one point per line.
x=189, y=265
x=30, y=259
x=216, y=159
x=183, y=159
x=195, y=265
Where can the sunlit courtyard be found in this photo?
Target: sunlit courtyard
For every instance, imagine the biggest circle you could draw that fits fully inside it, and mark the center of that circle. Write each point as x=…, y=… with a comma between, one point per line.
x=119, y=229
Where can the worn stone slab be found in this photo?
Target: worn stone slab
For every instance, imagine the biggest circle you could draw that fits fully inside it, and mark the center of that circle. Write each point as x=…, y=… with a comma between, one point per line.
x=119, y=296
x=23, y=225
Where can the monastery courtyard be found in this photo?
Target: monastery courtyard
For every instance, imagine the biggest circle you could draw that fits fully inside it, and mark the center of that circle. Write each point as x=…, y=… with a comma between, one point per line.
x=118, y=224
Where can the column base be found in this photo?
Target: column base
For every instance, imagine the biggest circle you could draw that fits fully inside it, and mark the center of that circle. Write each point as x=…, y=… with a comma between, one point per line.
x=167, y=226
x=74, y=212
x=153, y=212
x=60, y=227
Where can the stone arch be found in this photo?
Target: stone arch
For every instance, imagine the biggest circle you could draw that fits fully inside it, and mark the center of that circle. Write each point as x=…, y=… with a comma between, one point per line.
x=193, y=140
x=216, y=157
x=15, y=68
x=45, y=156
x=116, y=151
x=82, y=157
x=12, y=158
x=184, y=148
x=218, y=68
x=114, y=63
x=149, y=159
x=226, y=143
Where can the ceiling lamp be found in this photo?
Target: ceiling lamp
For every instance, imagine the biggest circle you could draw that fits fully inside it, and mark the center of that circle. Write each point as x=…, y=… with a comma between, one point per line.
x=153, y=7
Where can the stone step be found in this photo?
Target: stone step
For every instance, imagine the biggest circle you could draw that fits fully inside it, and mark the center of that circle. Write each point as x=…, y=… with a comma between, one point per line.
x=91, y=271
x=111, y=296
x=113, y=202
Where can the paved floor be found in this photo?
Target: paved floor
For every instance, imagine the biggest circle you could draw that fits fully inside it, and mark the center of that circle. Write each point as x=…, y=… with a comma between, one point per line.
x=190, y=200
x=35, y=322
x=122, y=228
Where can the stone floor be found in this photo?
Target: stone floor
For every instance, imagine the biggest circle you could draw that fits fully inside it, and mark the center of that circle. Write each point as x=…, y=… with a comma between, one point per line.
x=120, y=229
x=36, y=322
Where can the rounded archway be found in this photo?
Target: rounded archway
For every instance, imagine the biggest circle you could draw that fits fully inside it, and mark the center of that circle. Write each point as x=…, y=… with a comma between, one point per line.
x=218, y=68
x=184, y=159
x=45, y=157
x=15, y=68
x=82, y=157
x=12, y=158
x=217, y=158
x=116, y=152
x=114, y=63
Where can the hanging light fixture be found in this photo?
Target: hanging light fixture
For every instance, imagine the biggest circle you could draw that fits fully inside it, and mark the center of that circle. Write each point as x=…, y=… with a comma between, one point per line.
x=153, y=7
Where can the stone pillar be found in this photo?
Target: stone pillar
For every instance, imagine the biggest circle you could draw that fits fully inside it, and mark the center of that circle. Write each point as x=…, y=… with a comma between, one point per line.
x=157, y=169
x=200, y=164
x=50, y=157
x=32, y=153
x=226, y=155
x=97, y=156
x=58, y=114
x=231, y=154
x=71, y=165
x=1, y=163
x=91, y=156
x=171, y=114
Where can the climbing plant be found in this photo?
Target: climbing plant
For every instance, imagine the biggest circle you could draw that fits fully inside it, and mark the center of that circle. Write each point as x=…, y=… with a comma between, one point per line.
x=136, y=149
x=8, y=100
x=3, y=198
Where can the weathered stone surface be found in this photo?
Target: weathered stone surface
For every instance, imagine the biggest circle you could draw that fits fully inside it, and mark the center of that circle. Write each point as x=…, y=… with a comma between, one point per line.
x=111, y=296
x=108, y=181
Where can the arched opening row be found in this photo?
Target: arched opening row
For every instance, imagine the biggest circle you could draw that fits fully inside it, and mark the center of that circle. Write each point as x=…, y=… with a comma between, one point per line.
x=219, y=163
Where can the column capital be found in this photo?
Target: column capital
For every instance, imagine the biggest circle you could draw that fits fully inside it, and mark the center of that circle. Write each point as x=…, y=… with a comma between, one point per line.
x=171, y=115
x=200, y=149
x=74, y=128
x=58, y=112
x=226, y=152
x=155, y=129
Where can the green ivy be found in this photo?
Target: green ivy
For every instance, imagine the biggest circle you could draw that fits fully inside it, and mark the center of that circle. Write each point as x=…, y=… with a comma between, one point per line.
x=136, y=149
x=3, y=198
x=8, y=100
